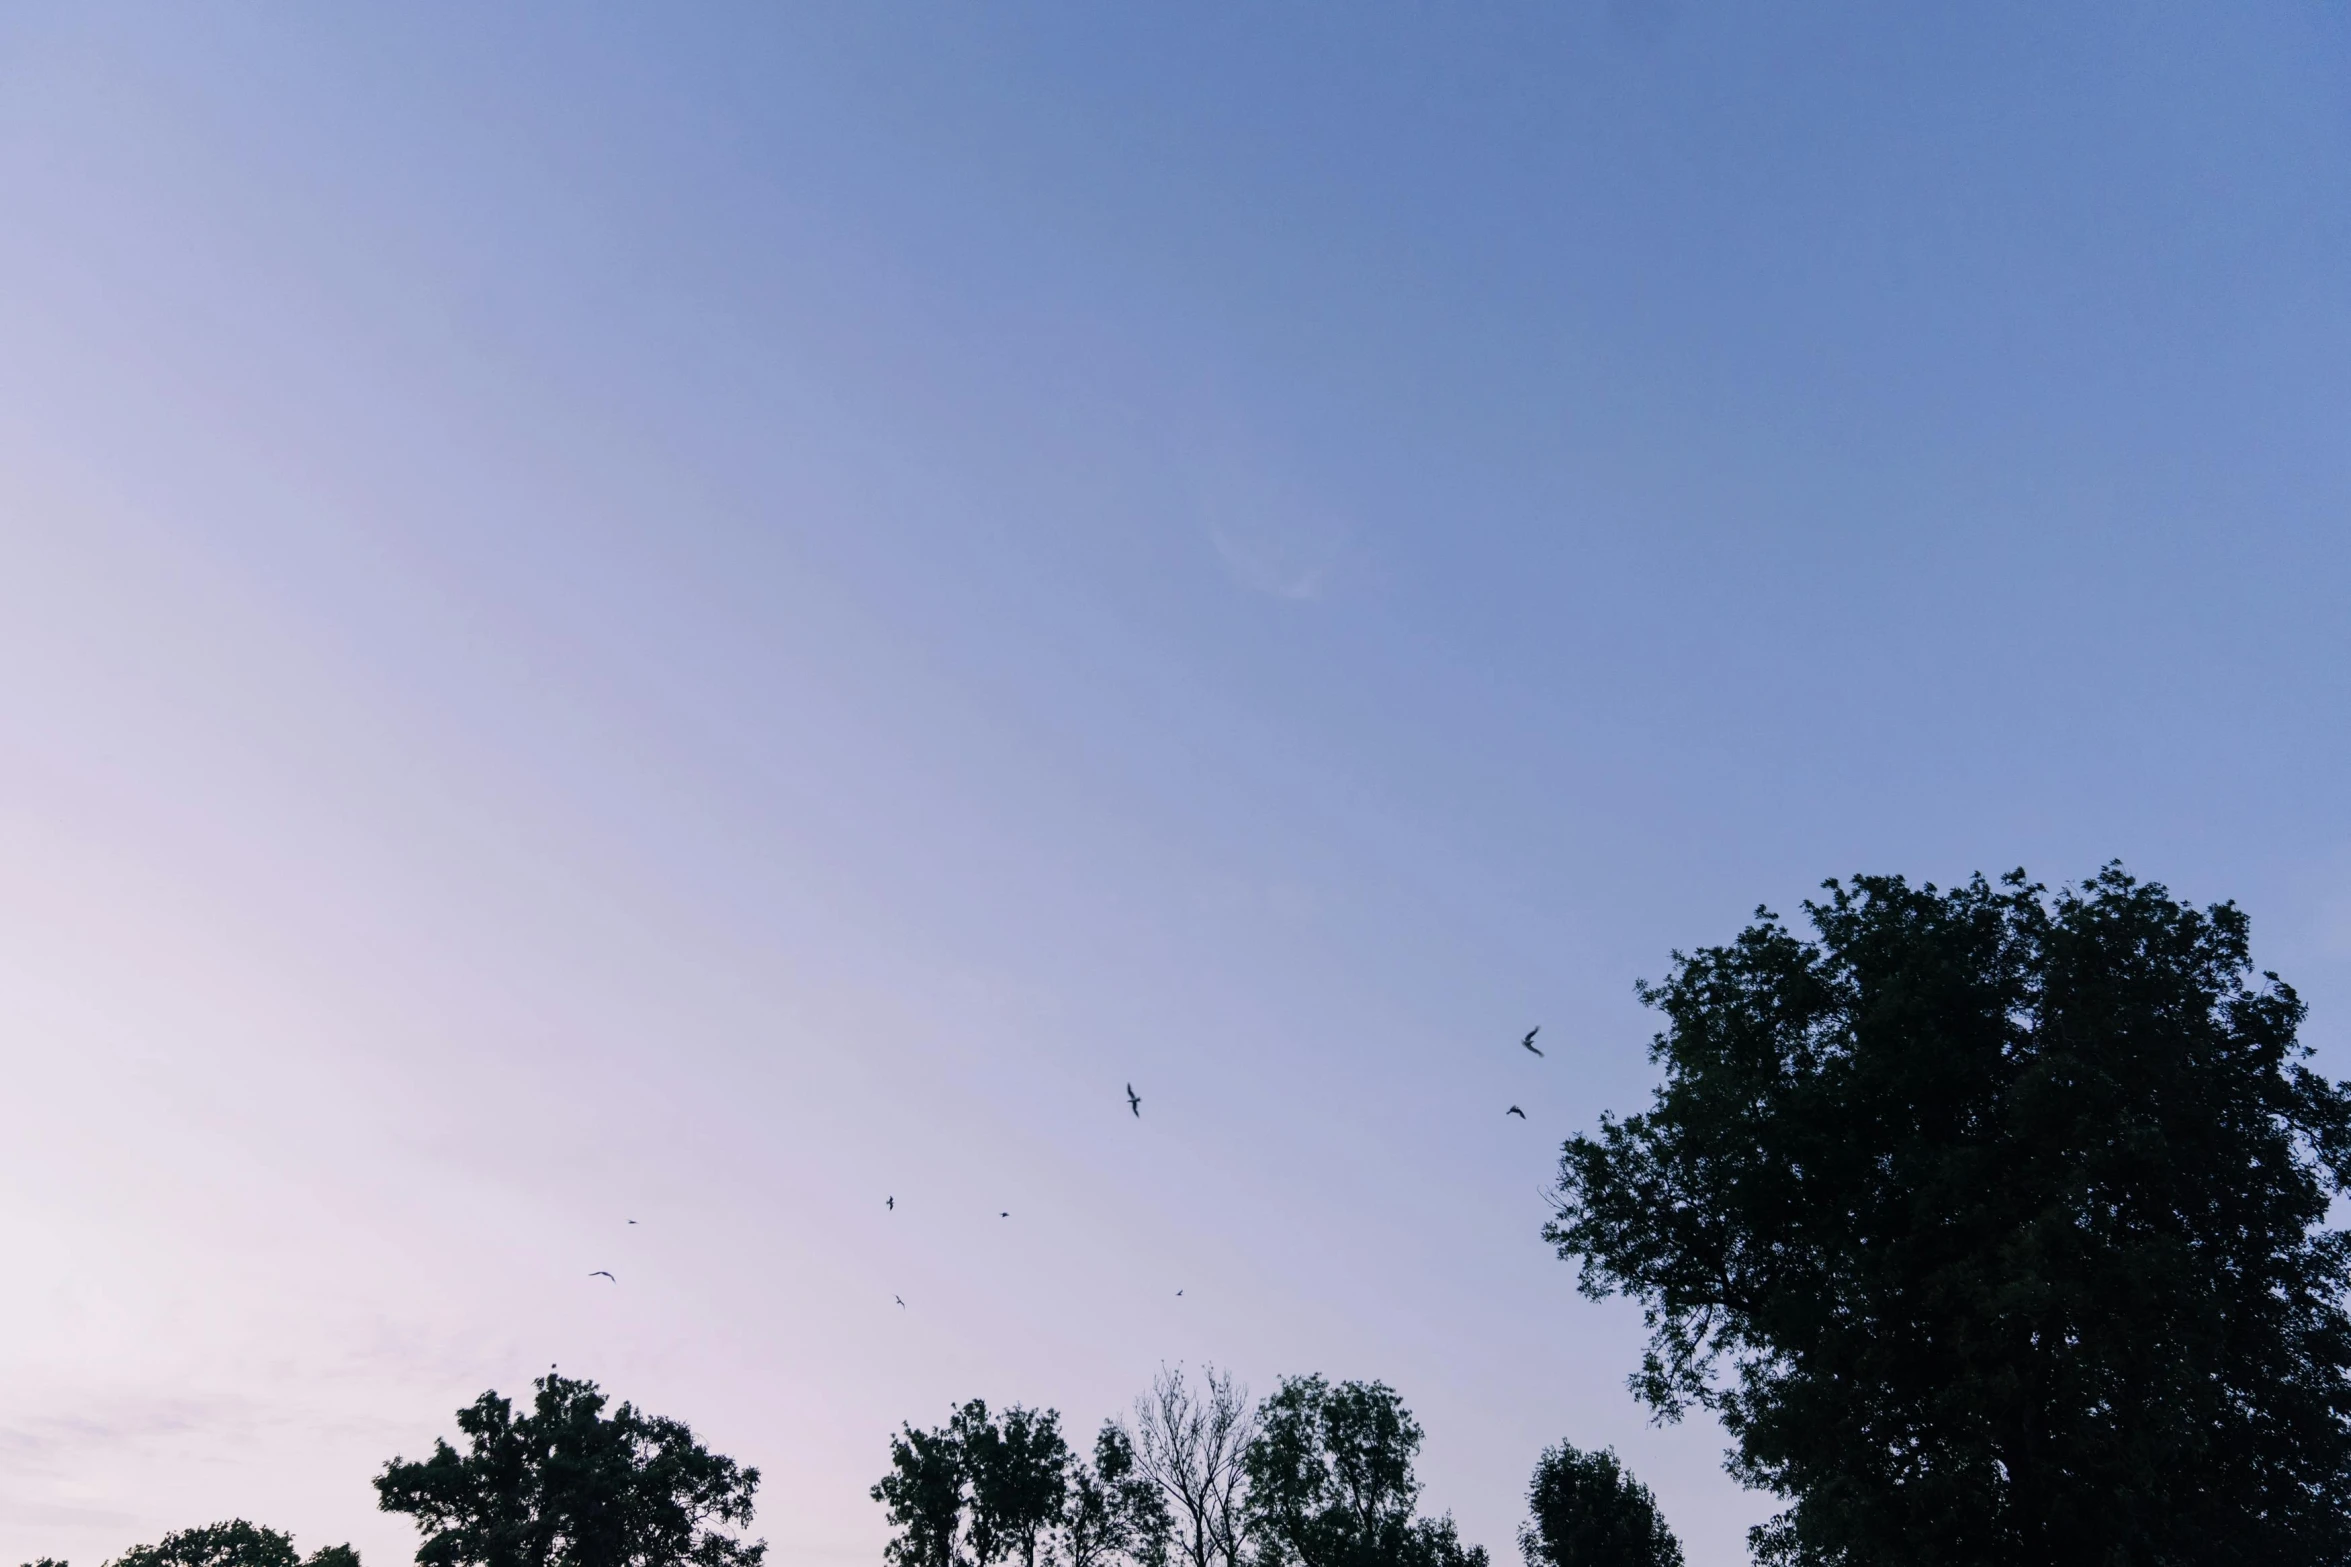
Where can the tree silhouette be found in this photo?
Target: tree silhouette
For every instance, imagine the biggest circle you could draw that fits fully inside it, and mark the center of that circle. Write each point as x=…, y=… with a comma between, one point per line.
x=2004, y=1210
x=232, y=1544
x=925, y=1491
x=1331, y=1482
x=984, y=1488
x=1586, y=1511
x=1019, y=1470
x=567, y=1486
x=1112, y=1510
x=1189, y=1444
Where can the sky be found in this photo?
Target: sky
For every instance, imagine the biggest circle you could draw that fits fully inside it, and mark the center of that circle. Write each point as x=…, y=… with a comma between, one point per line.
x=706, y=616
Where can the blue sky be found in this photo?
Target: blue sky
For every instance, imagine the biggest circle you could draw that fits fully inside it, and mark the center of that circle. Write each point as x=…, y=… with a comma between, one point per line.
x=708, y=618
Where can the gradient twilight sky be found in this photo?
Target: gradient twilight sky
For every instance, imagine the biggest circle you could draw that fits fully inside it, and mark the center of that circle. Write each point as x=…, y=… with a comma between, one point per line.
x=710, y=614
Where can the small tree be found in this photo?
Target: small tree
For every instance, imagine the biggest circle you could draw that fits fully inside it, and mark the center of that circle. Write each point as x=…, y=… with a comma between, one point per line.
x=232, y=1544
x=1587, y=1511
x=567, y=1486
x=1331, y=1482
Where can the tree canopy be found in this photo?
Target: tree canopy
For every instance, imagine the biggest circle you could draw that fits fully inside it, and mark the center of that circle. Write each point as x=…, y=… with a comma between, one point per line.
x=1585, y=1510
x=1990, y=1221
x=985, y=1488
x=232, y=1544
x=565, y=1485
x=1331, y=1482
x=925, y=1491
x=1019, y=1467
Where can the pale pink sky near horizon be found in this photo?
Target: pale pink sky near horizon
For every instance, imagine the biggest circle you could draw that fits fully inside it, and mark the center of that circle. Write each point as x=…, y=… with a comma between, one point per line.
x=706, y=619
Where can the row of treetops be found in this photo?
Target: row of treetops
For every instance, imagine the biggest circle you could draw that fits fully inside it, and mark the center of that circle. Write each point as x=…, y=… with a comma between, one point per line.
x=1991, y=1221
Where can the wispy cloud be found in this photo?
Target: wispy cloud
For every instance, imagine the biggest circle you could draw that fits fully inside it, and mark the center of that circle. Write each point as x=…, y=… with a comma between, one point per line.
x=1267, y=569
x=1273, y=537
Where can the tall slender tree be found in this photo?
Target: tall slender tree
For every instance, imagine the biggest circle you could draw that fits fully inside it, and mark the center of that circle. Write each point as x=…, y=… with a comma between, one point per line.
x=1019, y=1470
x=926, y=1490
x=2005, y=1212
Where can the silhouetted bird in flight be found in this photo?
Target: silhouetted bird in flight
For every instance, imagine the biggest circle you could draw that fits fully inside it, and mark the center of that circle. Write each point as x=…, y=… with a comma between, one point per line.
x=1005, y=1215
x=1134, y=1102
x=901, y=1300
x=601, y=1274
x=890, y=1203
x=1179, y=1294
x=1529, y=1041
x=1515, y=1110
x=632, y=1221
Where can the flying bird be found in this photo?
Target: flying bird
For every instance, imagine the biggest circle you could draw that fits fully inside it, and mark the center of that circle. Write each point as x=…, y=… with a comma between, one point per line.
x=1529, y=1041
x=890, y=1203
x=601, y=1274
x=1515, y=1110
x=632, y=1221
x=1134, y=1101
x=1179, y=1294
x=901, y=1300
x=1005, y=1215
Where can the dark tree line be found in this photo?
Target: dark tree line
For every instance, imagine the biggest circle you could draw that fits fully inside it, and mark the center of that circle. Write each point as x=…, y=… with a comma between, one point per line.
x=1991, y=1221
x=560, y=1484
x=236, y=1543
x=1319, y=1475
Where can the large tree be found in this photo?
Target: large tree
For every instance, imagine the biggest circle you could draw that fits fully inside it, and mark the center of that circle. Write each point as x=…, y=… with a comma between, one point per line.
x=1331, y=1482
x=566, y=1485
x=1585, y=1510
x=1990, y=1220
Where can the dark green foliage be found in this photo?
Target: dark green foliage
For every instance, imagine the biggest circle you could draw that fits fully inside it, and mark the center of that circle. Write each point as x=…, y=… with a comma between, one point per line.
x=1331, y=1482
x=567, y=1486
x=2004, y=1210
x=1586, y=1511
x=982, y=1489
x=1019, y=1469
x=232, y=1544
